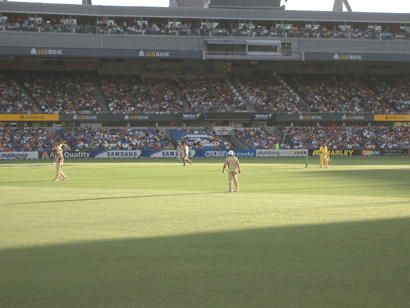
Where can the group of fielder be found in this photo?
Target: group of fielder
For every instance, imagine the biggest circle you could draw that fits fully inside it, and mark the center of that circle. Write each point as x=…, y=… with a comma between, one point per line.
x=231, y=161
x=183, y=154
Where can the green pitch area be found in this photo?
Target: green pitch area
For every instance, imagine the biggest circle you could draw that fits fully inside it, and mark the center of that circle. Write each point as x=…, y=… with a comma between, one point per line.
x=151, y=233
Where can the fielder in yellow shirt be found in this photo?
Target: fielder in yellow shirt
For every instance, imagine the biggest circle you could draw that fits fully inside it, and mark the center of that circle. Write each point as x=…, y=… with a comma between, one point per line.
x=233, y=169
x=324, y=156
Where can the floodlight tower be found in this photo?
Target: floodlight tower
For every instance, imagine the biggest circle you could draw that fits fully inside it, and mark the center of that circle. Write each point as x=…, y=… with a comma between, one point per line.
x=338, y=6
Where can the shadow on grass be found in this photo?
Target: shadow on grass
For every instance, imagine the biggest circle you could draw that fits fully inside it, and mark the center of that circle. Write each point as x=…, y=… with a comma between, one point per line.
x=115, y=198
x=357, y=264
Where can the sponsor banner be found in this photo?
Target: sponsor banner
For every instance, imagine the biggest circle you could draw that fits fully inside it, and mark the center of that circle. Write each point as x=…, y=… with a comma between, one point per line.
x=392, y=117
x=18, y=155
x=97, y=52
x=165, y=154
x=267, y=153
x=371, y=152
x=118, y=117
x=223, y=130
x=263, y=116
x=67, y=155
x=224, y=153
x=395, y=152
x=240, y=116
x=191, y=116
x=282, y=153
x=355, y=57
x=282, y=117
x=341, y=152
x=29, y=117
x=118, y=154
x=293, y=153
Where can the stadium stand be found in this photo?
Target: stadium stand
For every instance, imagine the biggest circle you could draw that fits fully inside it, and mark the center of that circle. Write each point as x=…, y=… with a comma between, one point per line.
x=88, y=138
x=337, y=137
x=128, y=94
x=199, y=139
x=342, y=93
x=236, y=28
x=63, y=93
x=211, y=95
x=203, y=61
x=12, y=97
x=26, y=139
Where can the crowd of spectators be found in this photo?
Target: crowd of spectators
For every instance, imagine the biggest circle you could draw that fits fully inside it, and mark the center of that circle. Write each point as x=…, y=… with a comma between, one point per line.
x=336, y=137
x=130, y=95
x=26, y=139
x=256, y=138
x=199, y=139
x=12, y=97
x=155, y=26
x=62, y=93
x=297, y=137
x=210, y=95
x=395, y=91
x=89, y=138
x=74, y=93
x=268, y=94
x=344, y=93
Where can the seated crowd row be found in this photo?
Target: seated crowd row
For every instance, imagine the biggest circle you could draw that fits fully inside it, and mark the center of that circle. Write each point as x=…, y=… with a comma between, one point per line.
x=192, y=28
x=76, y=93
x=307, y=137
x=336, y=137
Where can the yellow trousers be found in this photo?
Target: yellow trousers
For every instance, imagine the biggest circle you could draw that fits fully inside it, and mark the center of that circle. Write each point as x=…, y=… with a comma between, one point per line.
x=324, y=158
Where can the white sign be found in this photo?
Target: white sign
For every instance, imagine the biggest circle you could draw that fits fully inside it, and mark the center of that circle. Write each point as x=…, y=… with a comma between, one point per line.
x=223, y=130
x=18, y=155
x=282, y=153
x=119, y=154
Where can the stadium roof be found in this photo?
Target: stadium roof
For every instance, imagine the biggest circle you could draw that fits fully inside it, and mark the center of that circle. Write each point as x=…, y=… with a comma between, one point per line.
x=201, y=13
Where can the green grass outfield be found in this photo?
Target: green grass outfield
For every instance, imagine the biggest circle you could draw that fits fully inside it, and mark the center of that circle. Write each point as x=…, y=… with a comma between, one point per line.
x=151, y=233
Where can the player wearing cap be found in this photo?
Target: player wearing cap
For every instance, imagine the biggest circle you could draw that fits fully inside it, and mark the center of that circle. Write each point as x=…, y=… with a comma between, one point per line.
x=58, y=150
x=186, y=153
x=180, y=150
x=233, y=168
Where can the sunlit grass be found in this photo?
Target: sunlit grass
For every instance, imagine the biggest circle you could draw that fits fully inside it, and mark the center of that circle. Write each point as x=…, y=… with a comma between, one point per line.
x=152, y=233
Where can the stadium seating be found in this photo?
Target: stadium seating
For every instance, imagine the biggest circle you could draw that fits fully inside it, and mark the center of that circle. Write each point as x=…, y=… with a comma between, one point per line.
x=199, y=139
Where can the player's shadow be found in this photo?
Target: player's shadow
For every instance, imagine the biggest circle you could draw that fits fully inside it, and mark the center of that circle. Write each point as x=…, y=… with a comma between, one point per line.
x=117, y=198
x=33, y=181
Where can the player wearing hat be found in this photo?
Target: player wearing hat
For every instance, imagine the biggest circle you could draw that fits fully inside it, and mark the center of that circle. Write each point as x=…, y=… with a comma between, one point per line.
x=186, y=153
x=180, y=150
x=233, y=168
x=58, y=150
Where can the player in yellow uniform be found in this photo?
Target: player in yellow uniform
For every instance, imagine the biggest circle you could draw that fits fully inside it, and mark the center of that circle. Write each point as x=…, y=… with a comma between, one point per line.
x=186, y=153
x=324, y=156
x=58, y=150
x=233, y=168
